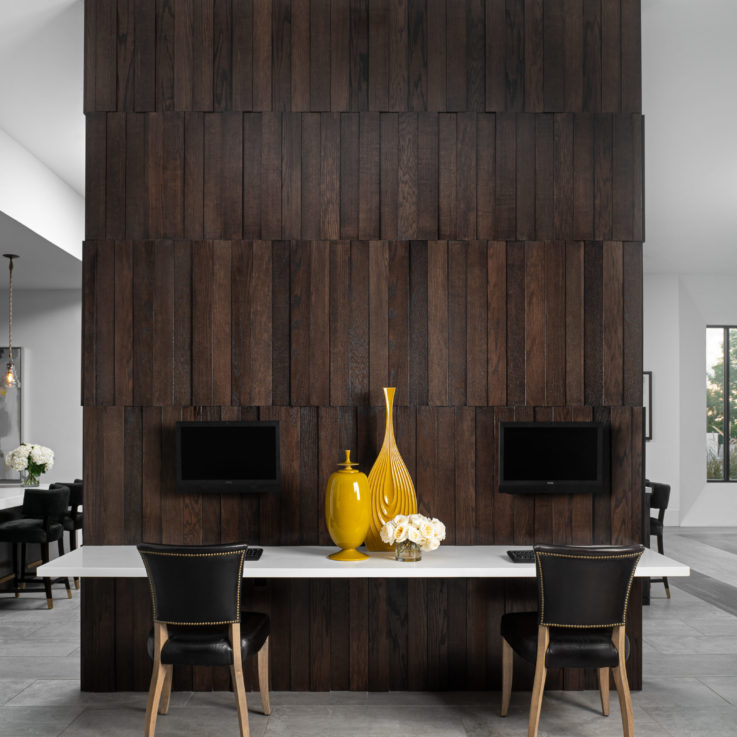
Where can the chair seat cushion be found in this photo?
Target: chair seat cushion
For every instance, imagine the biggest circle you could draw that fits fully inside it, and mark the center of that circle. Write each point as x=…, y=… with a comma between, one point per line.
x=28, y=530
x=209, y=645
x=71, y=523
x=569, y=648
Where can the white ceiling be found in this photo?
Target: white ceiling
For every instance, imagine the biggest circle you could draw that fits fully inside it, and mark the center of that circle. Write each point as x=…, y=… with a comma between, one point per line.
x=41, y=56
x=689, y=101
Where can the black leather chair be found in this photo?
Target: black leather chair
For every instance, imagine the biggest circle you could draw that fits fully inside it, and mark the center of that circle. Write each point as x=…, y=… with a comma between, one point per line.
x=659, y=499
x=73, y=520
x=583, y=594
x=197, y=591
x=40, y=522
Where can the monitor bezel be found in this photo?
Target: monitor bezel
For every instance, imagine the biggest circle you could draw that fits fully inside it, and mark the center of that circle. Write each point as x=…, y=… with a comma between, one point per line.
x=230, y=486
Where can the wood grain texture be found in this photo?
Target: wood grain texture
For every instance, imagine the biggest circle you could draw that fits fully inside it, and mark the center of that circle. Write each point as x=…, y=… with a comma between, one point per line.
x=294, y=203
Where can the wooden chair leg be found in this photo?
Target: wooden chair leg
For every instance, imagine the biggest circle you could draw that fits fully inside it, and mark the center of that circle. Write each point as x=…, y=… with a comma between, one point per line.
x=507, y=672
x=236, y=673
x=60, y=544
x=158, y=676
x=620, y=680
x=604, y=690
x=263, y=677
x=166, y=690
x=543, y=639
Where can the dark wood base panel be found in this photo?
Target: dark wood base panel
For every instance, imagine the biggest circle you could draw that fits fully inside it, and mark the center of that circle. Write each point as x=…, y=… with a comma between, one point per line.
x=370, y=634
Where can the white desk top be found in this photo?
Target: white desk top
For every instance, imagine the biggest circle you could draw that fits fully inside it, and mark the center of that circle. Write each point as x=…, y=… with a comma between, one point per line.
x=311, y=561
x=12, y=496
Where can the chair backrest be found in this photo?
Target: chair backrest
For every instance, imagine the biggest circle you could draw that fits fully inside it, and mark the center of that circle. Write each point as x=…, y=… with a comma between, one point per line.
x=46, y=503
x=659, y=498
x=76, y=492
x=194, y=584
x=584, y=587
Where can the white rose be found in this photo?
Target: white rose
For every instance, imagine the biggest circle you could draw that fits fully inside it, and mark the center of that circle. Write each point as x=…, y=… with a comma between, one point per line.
x=413, y=535
x=400, y=519
x=387, y=533
x=416, y=519
x=400, y=532
x=427, y=529
x=439, y=529
x=430, y=545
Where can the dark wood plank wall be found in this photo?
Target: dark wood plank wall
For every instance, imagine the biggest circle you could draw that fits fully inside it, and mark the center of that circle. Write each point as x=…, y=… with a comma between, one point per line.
x=292, y=203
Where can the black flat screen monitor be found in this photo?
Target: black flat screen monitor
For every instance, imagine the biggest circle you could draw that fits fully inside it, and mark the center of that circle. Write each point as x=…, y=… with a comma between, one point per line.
x=223, y=457
x=553, y=457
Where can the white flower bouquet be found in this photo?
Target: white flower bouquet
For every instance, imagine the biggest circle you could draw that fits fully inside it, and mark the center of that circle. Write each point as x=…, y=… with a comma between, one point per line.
x=34, y=459
x=413, y=534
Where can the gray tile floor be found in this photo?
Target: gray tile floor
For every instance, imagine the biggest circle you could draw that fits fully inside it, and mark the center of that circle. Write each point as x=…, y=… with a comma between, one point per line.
x=690, y=681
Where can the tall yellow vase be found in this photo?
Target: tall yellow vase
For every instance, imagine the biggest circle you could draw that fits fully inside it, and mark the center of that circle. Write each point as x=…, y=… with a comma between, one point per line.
x=392, y=490
x=348, y=510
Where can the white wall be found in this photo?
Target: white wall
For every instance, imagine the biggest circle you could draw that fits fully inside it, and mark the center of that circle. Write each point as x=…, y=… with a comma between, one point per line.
x=47, y=325
x=677, y=309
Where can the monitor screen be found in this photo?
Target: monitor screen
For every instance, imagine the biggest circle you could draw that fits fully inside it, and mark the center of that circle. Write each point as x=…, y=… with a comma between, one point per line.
x=554, y=457
x=228, y=456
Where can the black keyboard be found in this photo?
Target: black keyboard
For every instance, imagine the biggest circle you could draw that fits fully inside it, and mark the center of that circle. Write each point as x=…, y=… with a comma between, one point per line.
x=253, y=553
x=520, y=556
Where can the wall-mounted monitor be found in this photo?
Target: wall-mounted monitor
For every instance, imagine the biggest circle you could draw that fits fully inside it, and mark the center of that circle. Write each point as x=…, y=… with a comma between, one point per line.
x=225, y=457
x=553, y=457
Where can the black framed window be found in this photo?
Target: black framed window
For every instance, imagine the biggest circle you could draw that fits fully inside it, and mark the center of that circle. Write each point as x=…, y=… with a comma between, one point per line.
x=721, y=403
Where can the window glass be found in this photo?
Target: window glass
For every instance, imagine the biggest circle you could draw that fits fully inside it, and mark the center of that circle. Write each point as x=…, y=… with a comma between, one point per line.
x=715, y=414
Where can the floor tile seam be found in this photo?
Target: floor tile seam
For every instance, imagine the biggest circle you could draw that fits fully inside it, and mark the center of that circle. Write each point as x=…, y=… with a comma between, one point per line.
x=727, y=701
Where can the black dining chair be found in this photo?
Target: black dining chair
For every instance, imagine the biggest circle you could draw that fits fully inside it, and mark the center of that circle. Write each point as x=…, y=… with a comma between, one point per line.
x=583, y=593
x=40, y=523
x=73, y=520
x=658, y=500
x=196, y=597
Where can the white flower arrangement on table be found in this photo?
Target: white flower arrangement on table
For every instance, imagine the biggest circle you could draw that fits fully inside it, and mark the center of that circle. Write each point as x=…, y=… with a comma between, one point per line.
x=425, y=532
x=35, y=459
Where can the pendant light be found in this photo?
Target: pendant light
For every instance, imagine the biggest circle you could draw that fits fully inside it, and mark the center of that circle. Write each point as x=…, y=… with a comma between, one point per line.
x=10, y=379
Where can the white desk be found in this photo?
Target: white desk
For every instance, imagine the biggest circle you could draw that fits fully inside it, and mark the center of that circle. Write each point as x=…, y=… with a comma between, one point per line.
x=311, y=561
x=12, y=496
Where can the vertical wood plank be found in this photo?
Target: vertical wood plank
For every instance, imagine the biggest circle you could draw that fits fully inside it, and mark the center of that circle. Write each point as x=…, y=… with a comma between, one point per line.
x=437, y=306
x=330, y=176
x=447, y=176
x=398, y=56
x=593, y=327
x=592, y=82
x=378, y=320
x=583, y=176
x=340, y=314
x=632, y=330
x=476, y=323
x=349, y=175
x=497, y=323
x=369, y=186
x=398, y=314
x=252, y=176
x=466, y=182
x=574, y=323
x=291, y=177
x=358, y=56
x=182, y=336
x=202, y=327
x=485, y=176
x=525, y=175
x=242, y=65
x=514, y=56
x=221, y=323
x=262, y=40
x=534, y=323
x=455, y=19
x=624, y=162
x=555, y=323
x=271, y=175
x=281, y=56
x=515, y=314
x=299, y=322
x=320, y=55
x=603, y=140
x=613, y=319
x=611, y=82
x=418, y=324
x=223, y=54
x=495, y=55
x=319, y=324
x=573, y=52
x=194, y=174
x=417, y=41
x=339, y=55
x=427, y=176
x=407, y=189
x=535, y=48
x=359, y=326
x=544, y=177
x=301, y=55
x=563, y=176
x=280, y=291
x=631, y=49
x=554, y=20
x=202, y=55
x=457, y=321
x=163, y=324
x=310, y=176
x=506, y=183
x=389, y=176
x=436, y=56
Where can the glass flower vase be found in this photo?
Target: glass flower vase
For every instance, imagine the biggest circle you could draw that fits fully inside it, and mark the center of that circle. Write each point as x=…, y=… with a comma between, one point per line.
x=407, y=551
x=31, y=479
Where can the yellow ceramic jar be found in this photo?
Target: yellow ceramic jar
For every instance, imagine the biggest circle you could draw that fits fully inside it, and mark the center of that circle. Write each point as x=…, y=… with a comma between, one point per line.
x=348, y=510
